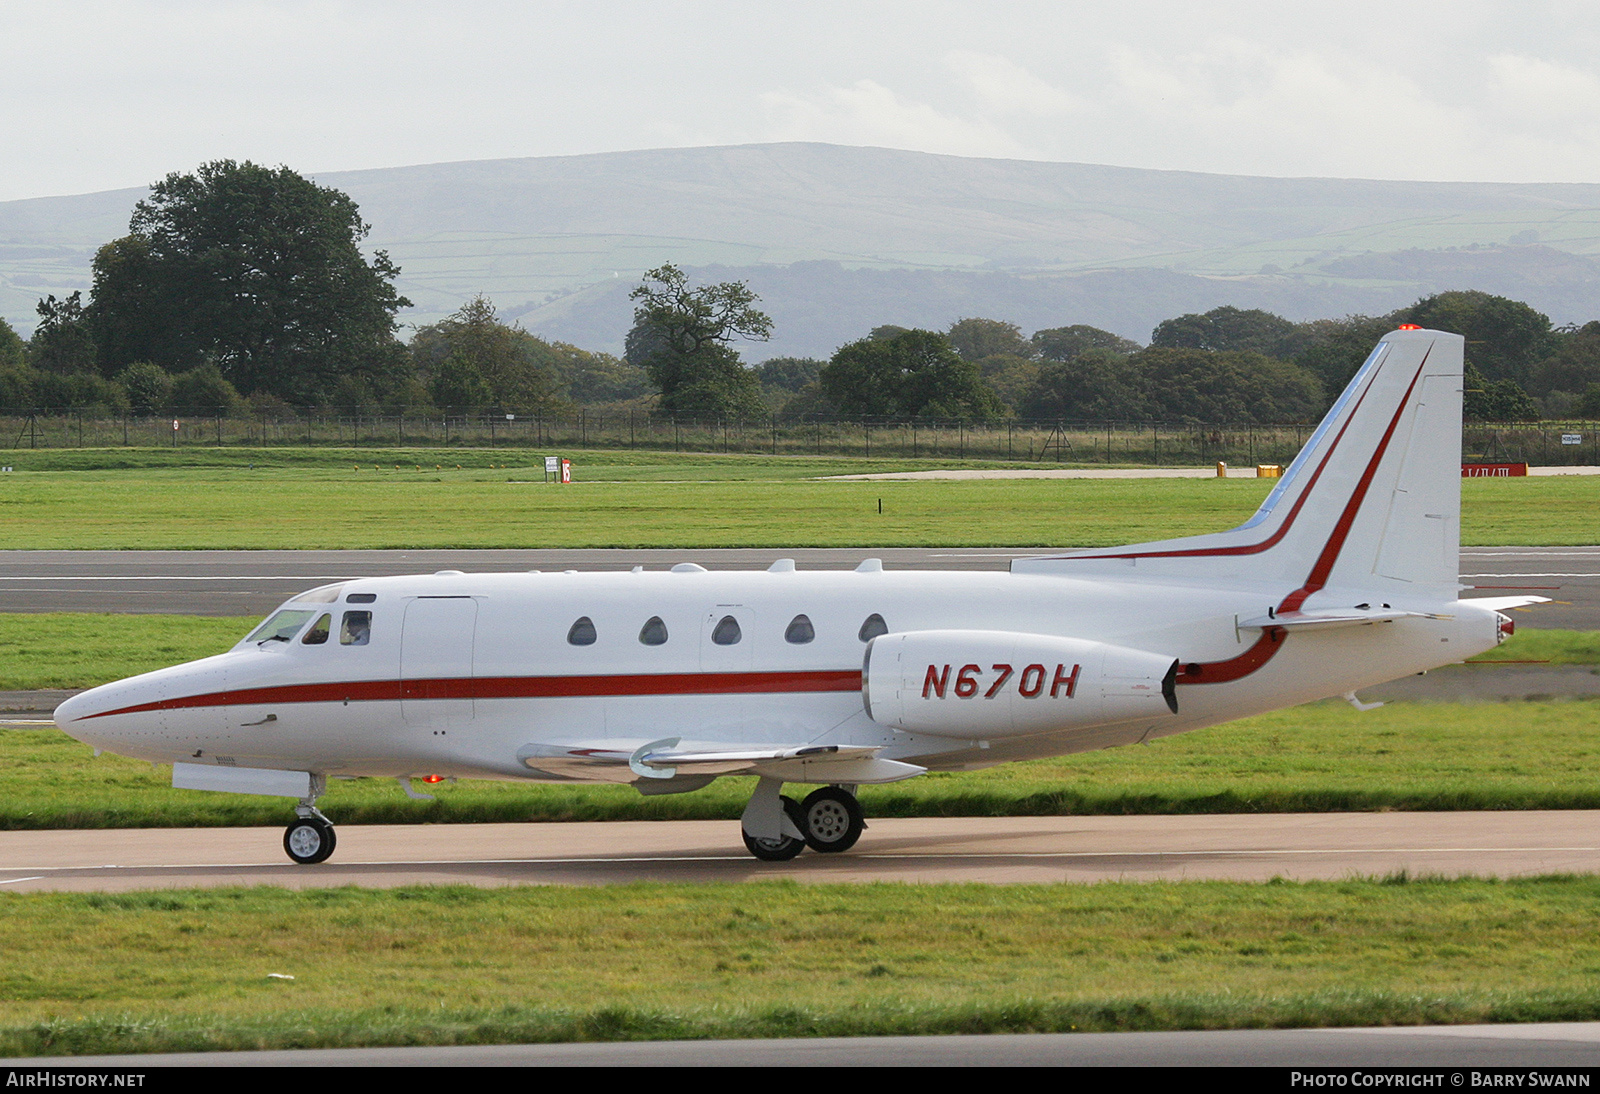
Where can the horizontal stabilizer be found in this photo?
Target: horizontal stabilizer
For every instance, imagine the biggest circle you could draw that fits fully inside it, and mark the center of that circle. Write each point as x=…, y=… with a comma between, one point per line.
x=1501, y=603
x=1324, y=620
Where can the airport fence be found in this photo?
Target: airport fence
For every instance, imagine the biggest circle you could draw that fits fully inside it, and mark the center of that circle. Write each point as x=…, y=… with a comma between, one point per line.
x=1029, y=440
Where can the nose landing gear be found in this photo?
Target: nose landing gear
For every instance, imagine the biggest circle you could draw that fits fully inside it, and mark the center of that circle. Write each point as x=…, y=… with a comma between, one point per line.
x=310, y=838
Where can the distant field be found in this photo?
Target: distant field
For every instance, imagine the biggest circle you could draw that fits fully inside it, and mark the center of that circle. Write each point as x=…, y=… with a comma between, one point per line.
x=224, y=969
x=474, y=498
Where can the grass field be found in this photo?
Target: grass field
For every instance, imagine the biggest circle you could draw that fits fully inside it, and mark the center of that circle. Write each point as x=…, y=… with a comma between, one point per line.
x=1325, y=756
x=293, y=498
x=267, y=968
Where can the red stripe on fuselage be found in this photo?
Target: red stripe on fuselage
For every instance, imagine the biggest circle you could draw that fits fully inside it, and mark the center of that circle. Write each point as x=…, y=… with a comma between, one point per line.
x=515, y=687
x=1235, y=668
x=1341, y=529
x=1271, y=641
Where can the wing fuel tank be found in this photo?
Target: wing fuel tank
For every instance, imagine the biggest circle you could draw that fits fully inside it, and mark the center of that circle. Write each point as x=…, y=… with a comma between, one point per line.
x=978, y=685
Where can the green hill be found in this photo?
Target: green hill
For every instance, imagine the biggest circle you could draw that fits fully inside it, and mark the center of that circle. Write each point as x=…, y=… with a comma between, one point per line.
x=891, y=236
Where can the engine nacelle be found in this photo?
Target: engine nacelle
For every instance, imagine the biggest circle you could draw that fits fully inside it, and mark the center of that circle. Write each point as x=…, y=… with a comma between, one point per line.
x=977, y=685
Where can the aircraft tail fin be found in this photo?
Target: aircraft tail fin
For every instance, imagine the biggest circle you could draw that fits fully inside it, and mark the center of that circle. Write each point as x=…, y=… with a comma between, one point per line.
x=1372, y=502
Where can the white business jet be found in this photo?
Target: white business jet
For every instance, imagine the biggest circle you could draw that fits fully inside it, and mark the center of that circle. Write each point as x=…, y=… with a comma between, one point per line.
x=1344, y=578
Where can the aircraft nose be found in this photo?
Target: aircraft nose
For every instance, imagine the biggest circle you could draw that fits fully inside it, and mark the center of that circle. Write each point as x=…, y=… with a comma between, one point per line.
x=74, y=708
x=76, y=717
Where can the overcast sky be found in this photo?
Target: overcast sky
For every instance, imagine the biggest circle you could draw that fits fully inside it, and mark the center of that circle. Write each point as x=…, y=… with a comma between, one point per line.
x=99, y=95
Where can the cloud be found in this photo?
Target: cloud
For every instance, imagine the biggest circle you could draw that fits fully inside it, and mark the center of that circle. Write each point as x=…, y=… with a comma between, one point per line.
x=1240, y=106
x=1005, y=86
x=866, y=112
x=1537, y=90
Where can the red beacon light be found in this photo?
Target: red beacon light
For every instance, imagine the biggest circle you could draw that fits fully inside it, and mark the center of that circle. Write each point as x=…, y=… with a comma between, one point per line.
x=1408, y=326
x=433, y=778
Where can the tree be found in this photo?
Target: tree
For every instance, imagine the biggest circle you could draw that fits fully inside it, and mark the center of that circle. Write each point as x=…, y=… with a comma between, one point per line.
x=1485, y=400
x=475, y=361
x=1096, y=385
x=18, y=379
x=1066, y=343
x=912, y=375
x=1199, y=386
x=681, y=336
x=62, y=342
x=1575, y=364
x=1229, y=329
x=976, y=339
x=1335, y=348
x=1505, y=338
x=148, y=386
x=256, y=270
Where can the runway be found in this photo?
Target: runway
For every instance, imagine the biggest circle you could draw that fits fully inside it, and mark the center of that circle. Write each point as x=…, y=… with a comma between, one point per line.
x=996, y=850
x=255, y=582
x=1456, y=1051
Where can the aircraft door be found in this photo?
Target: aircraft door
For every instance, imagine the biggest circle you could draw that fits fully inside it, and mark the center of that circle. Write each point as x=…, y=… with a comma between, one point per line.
x=436, y=660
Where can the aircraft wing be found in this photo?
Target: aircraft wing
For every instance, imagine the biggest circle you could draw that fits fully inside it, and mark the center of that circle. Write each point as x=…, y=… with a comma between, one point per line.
x=615, y=761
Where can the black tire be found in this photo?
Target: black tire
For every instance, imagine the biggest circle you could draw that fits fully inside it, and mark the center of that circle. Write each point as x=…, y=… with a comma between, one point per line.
x=783, y=848
x=832, y=820
x=309, y=840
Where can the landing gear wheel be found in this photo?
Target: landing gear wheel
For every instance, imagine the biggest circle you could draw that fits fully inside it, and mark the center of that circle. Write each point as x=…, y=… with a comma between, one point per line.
x=309, y=840
x=783, y=848
x=832, y=820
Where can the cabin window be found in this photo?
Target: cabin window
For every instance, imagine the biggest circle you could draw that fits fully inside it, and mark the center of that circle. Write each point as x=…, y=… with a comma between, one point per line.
x=800, y=631
x=871, y=627
x=318, y=634
x=727, y=632
x=280, y=627
x=654, y=632
x=581, y=633
x=361, y=598
x=356, y=629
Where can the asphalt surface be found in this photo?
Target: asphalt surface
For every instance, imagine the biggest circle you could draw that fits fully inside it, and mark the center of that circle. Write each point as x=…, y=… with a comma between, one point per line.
x=255, y=582
x=1457, y=1053
x=924, y=850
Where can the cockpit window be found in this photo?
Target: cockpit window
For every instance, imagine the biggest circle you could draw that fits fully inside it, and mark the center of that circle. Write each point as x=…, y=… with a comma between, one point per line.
x=281, y=627
x=318, y=634
x=356, y=629
x=654, y=632
x=326, y=594
x=871, y=627
x=726, y=632
x=581, y=633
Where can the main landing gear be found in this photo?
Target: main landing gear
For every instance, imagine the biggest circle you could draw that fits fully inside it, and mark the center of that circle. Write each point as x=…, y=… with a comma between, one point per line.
x=776, y=828
x=310, y=839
